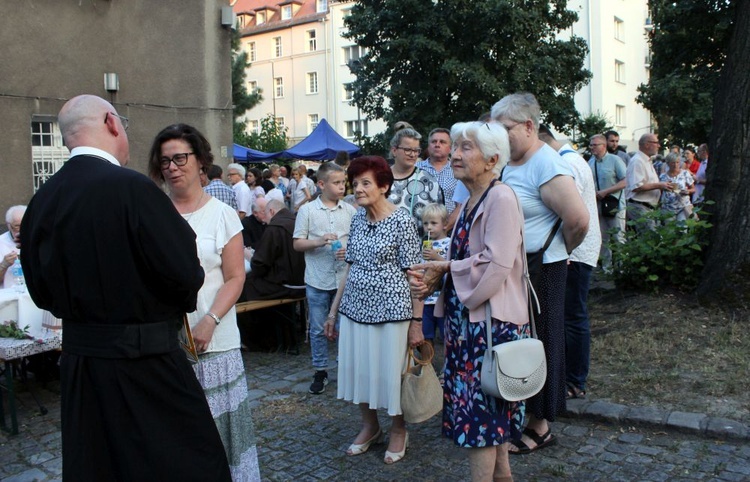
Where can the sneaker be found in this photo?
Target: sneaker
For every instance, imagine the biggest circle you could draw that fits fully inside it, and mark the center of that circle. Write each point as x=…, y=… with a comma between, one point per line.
x=320, y=380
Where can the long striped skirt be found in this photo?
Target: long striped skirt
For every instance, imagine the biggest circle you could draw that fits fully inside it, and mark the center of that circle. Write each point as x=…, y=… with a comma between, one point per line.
x=222, y=376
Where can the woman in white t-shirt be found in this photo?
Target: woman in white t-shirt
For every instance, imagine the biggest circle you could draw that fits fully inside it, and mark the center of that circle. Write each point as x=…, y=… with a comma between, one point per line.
x=178, y=155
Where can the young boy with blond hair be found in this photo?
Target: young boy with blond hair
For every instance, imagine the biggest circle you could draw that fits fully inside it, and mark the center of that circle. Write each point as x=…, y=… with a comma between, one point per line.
x=321, y=232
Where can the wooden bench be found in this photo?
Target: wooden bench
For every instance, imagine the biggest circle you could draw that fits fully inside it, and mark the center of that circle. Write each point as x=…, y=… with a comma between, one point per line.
x=246, y=306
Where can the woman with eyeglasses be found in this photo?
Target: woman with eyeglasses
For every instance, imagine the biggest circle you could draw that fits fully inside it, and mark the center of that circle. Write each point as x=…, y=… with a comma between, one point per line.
x=412, y=188
x=178, y=155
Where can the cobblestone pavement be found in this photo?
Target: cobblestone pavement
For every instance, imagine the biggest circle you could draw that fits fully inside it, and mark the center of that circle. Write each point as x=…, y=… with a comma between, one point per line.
x=302, y=437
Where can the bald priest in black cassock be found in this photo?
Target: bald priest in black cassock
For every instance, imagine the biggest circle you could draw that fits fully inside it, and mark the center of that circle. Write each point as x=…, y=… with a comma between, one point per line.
x=106, y=251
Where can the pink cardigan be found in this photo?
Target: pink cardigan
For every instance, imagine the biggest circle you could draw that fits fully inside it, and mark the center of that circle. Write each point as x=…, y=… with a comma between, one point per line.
x=494, y=271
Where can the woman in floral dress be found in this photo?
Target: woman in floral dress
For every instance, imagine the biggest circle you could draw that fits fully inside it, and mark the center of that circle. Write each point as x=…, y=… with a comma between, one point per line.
x=485, y=265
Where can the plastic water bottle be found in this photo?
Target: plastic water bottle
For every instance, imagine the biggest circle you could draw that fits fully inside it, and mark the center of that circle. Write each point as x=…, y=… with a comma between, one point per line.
x=335, y=246
x=17, y=272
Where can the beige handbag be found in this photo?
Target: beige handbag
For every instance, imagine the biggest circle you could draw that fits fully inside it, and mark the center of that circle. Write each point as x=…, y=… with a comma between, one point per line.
x=421, y=393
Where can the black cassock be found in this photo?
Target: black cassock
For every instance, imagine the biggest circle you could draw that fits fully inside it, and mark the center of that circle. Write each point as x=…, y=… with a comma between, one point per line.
x=105, y=250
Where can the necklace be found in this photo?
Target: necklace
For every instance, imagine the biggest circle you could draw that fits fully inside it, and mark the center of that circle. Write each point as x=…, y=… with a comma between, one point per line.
x=195, y=209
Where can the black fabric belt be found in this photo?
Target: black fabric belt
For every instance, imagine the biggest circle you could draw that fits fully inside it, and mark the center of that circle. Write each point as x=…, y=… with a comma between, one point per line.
x=120, y=341
x=650, y=206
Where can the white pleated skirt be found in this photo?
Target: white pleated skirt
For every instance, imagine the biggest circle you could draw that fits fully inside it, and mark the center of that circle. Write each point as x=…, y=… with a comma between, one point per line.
x=371, y=361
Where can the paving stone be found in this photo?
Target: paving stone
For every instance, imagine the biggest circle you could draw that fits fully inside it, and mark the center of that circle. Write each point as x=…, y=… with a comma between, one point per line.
x=725, y=428
x=647, y=416
x=620, y=448
x=605, y=411
x=575, y=431
x=645, y=450
x=256, y=394
x=31, y=475
x=276, y=385
x=686, y=421
x=743, y=469
x=631, y=438
x=39, y=458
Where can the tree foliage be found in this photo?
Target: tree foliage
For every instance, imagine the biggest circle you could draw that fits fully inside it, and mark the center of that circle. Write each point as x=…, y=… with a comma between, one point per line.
x=242, y=100
x=596, y=123
x=272, y=136
x=689, y=42
x=433, y=63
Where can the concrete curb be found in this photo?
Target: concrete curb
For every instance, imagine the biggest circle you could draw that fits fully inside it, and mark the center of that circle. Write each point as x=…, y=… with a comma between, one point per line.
x=685, y=422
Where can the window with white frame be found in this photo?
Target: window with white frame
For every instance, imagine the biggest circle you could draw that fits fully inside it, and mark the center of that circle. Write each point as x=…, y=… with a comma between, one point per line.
x=286, y=12
x=252, y=54
x=260, y=18
x=312, y=82
x=254, y=127
x=252, y=86
x=47, y=151
x=280, y=124
x=312, y=41
x=352, y=127
x=277, y=50
x=312, y=122
x=619, y=29
x=241, y=21
x=348, y=92
x=352, y=53
x=620, y=115
x=619, y=71
x=321, y=5
x=278, y=83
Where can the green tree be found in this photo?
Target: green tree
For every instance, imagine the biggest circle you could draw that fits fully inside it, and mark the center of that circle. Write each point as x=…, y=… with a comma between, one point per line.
x=436, y=62
x=596, y=123
x=689, y=42
x=242, y=100
x=272, y=136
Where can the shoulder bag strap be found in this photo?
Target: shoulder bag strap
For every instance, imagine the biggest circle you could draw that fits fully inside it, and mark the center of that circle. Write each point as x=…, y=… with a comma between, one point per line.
x=530, y=292
x=596, y=178
x=552, y=234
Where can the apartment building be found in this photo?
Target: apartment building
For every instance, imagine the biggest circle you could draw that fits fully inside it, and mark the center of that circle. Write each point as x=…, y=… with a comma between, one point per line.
x=299, y=59
x=619, y=59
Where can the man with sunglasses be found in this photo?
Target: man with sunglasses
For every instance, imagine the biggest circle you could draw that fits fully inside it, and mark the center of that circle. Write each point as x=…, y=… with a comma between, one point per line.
x=106, y=251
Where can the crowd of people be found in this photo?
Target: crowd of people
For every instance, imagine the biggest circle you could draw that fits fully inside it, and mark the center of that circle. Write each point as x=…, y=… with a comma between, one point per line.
x=446, y=237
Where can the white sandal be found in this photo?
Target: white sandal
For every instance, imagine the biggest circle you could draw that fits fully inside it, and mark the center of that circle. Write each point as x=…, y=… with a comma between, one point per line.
x=359, y=449
x=393, y=457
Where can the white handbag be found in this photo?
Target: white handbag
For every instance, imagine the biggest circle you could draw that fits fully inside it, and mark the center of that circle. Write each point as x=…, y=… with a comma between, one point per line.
x=515, y=370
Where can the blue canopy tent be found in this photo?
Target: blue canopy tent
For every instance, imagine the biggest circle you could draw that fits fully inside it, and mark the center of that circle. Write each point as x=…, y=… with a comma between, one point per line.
x=245, y=154
x=323, y=143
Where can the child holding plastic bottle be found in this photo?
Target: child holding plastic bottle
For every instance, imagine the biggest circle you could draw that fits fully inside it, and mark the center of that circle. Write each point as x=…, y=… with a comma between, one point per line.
x=434, y=248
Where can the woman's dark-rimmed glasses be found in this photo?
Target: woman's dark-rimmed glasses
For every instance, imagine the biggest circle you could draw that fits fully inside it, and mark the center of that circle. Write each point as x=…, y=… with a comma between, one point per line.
x=178, y=159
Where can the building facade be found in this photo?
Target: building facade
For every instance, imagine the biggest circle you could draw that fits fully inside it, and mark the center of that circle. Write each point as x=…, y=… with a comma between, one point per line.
x=299, y=58
x=619, y=58
x=169, y=62
x=300, y=61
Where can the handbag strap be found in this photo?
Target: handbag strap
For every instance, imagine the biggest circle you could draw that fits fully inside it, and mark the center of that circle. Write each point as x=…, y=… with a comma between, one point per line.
x=530, y=292
x=554, y=228
x=424, y=360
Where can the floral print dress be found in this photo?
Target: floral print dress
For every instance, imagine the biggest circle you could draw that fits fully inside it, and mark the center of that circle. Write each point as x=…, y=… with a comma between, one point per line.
x=470, y=417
